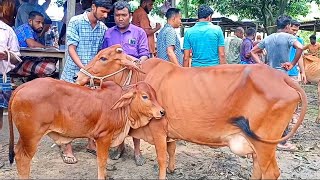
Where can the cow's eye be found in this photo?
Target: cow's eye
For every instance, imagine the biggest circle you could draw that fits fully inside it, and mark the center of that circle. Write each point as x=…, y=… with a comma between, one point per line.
x=145, y=97
x=103, y=59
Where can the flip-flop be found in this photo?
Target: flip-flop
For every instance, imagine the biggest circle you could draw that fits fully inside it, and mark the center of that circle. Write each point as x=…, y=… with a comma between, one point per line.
x=91, y=151
x=291, y=148
x=67, y=159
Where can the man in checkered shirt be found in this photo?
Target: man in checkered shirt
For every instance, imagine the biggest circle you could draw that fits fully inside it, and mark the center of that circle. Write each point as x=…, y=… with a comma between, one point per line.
x=84, y=37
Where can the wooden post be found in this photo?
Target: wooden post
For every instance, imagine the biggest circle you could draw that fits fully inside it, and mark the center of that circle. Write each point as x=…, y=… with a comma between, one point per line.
x=71, y=8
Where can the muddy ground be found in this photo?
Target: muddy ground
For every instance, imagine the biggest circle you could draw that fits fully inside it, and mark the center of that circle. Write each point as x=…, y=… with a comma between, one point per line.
x=193, y=161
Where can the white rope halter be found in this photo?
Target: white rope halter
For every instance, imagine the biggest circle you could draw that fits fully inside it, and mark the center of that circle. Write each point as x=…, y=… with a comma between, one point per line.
x=4, y=74
x=101, y=78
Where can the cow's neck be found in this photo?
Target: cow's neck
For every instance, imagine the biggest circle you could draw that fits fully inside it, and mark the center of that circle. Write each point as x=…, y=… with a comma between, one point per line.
x=122, y=133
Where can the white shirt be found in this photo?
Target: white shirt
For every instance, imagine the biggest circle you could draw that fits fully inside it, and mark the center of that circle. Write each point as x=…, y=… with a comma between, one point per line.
x=8, y=41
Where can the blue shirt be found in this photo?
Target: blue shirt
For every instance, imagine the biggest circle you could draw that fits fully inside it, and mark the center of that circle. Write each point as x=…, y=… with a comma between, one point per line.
x=25, y=9
x=204, y=39
x=25, y=32
x=134, y=40
x=166, y=38
x=294, y=71
x=88, y=41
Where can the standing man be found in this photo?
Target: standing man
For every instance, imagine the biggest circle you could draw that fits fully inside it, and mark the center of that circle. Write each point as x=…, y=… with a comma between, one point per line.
x=246, y=47
x=8, y=41
x=314, y=47
x=168, y=43
x=294, y=72
x=205, y=40
x=278, y=47
x=134, y=42
x=84, y=37
x=232, y=46
x=140, y=18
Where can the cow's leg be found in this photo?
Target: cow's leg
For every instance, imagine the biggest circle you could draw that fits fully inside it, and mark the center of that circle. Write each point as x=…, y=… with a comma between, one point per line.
x=24, y=152
x=103, y=145
x=171, y=151
x=318, y=118
x=160, y=141
x=267, y=161
x=256, y=174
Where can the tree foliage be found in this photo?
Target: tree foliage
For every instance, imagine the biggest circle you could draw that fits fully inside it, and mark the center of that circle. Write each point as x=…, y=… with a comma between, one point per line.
x=263, y=11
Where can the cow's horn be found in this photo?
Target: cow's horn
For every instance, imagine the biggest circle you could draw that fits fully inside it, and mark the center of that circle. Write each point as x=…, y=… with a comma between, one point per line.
x=119, y=50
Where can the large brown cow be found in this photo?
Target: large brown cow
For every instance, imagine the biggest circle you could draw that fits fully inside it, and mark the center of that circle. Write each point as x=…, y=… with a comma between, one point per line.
x=245, y=107
x=65, y=111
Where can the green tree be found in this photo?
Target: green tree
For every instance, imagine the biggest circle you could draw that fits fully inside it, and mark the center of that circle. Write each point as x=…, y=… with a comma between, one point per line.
x=264, y=11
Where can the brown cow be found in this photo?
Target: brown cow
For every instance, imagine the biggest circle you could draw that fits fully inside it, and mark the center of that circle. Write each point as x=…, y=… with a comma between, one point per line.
x=244, y=107
x=65, y=111
x=312, y=69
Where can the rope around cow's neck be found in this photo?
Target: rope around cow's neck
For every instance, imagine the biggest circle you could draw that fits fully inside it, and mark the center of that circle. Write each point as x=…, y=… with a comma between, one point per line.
x=101, y=78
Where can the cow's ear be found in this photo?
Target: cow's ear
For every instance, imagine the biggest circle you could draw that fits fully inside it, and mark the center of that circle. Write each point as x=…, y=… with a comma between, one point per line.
x=124, y=100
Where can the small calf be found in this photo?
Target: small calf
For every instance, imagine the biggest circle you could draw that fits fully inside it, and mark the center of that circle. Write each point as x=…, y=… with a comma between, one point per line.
x=65, y=111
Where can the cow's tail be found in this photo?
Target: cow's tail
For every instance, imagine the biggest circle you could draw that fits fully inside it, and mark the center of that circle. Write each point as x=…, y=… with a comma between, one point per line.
x=243, y=123
x=11, y=141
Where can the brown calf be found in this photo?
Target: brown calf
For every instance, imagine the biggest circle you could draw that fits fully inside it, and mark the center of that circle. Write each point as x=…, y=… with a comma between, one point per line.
x=65, y=111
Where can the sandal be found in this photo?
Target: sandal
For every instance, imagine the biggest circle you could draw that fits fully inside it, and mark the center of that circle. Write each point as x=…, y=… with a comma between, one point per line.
x=68, y=159
x=92, y=151
x=287, y=147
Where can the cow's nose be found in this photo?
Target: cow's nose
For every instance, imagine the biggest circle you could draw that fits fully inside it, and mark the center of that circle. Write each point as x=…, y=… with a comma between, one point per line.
x=162, y=112
x=75, y=77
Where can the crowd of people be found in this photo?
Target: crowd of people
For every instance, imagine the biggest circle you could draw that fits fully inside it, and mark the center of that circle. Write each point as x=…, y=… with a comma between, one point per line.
x=204, y=45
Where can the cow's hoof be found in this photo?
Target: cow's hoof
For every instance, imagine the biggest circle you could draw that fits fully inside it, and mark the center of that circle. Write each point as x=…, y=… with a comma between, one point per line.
x=140, y=160
x=170, y=171
x=115, y=153
x=318, y=120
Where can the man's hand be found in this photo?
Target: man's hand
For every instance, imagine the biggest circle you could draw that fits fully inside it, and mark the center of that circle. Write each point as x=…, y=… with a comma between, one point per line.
x=304, y=78
x=3, y=56
x=287, y=66
x=158, y=26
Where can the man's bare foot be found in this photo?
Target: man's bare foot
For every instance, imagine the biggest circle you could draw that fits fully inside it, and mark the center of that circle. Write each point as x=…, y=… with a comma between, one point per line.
x=91, y=147
x=139, y=159
x=67, y=154
x=116, y=152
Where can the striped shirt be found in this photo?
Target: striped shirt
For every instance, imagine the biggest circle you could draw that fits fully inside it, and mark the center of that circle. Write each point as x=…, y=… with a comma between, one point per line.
x=87, y=40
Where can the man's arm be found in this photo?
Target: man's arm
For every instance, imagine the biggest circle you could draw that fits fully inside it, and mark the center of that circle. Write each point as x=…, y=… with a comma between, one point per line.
x=172, y=56
x=34, y=44
x=143, y=47
x=302, y=72
x=222, y=56
x=186, y=58
x=254, y=54
x=74, y=56
x=145, y=25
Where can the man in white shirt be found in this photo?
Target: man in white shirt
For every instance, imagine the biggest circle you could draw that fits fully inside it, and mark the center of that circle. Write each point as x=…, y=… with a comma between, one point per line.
x=9, y=47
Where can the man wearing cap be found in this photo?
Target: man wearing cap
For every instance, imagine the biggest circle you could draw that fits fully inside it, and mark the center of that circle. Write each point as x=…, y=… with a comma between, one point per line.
x=84, y=37
x=205, y=40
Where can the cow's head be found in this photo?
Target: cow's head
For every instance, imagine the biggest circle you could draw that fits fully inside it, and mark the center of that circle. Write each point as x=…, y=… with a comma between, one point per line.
x=106, y=62
x=141, y=105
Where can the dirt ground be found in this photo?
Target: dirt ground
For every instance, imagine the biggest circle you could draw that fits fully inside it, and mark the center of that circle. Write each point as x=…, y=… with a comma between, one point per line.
x=193, y=161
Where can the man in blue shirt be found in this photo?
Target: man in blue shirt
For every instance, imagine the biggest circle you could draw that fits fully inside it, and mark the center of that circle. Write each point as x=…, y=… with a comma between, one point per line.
x=168, y=43
x=294, y=72
x=205, y=40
